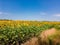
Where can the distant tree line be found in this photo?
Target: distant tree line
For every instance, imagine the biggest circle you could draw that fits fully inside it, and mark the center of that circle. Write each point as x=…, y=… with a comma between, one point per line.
x=5, y=19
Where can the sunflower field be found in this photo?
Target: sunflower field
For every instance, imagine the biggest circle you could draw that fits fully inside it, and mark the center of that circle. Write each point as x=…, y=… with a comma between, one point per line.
x=16, y=32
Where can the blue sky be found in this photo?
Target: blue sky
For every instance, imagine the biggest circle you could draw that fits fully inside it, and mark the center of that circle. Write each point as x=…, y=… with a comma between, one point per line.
x=41, y=10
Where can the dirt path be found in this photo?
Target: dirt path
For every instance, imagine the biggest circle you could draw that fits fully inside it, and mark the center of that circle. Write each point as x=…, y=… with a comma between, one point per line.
x=47, y=33
x=32, y=41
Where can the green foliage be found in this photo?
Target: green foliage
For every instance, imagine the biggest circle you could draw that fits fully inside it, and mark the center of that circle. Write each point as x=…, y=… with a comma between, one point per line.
x=22, y=33
x=57, y=26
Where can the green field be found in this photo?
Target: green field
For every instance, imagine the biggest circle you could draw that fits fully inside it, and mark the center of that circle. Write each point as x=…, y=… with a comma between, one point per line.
x=18, y=32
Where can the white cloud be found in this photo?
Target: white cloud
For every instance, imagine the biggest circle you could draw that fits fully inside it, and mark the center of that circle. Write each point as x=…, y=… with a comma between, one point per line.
x=1, y=13
x=4, y=13
x=57, y=15
x=43, y=13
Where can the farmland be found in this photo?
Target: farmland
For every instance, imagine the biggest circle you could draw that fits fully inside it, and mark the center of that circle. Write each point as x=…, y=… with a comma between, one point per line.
x=16, y=32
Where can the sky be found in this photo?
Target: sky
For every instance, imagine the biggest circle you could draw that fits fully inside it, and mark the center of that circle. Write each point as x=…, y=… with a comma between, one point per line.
x=41, y=10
